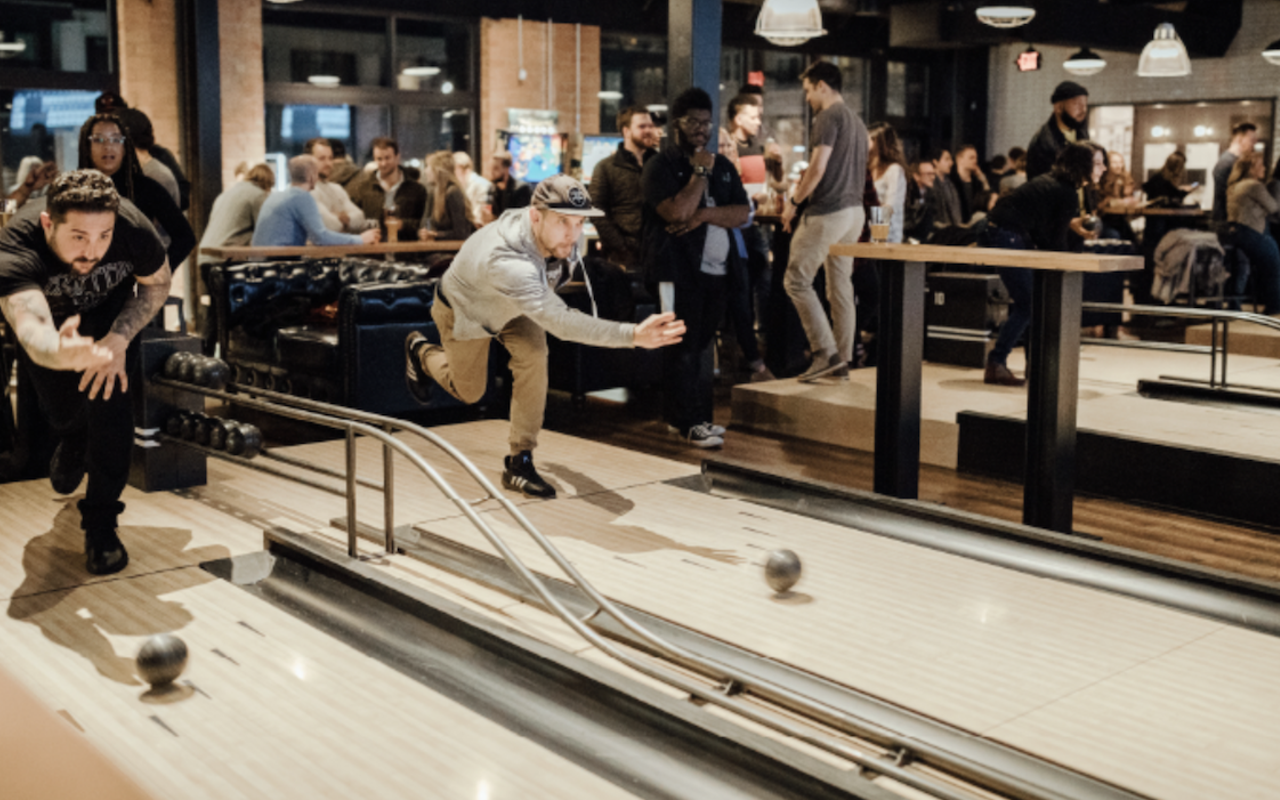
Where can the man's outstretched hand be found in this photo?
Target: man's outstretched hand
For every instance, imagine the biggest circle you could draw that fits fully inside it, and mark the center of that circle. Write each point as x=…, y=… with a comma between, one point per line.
x=659, y=330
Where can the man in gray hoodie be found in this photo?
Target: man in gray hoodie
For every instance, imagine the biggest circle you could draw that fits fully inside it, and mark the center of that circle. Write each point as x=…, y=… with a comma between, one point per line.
x=502, y=285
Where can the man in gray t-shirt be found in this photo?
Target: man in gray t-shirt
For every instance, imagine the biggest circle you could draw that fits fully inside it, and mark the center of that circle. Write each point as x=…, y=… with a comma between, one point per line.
x=832, y=188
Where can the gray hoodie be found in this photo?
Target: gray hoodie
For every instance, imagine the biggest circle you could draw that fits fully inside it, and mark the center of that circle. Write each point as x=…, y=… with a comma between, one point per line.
x=499, y=275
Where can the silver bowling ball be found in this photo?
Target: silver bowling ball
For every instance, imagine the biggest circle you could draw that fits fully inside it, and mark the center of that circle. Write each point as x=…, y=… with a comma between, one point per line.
x=161, y=659
x=782, y=570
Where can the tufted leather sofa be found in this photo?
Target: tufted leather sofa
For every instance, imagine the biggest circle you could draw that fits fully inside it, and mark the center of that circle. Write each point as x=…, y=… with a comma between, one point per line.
x=329, y=329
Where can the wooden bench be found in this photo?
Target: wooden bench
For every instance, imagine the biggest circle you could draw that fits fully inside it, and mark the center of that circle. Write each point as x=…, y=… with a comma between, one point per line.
x=1052, y=371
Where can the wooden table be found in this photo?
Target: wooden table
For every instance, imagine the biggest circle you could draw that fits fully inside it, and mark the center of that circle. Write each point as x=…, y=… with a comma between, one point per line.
x=251, y=253
x=1052, y=373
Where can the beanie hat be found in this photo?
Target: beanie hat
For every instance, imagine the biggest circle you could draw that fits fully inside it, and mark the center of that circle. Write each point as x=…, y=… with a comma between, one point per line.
x=1067, y=90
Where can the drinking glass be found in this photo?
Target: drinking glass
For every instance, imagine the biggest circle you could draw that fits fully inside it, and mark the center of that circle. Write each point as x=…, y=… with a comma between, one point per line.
x=878, y=219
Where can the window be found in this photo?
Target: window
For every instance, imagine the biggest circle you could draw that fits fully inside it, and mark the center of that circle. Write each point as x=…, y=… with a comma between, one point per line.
x=56, y=36
x=41, y=123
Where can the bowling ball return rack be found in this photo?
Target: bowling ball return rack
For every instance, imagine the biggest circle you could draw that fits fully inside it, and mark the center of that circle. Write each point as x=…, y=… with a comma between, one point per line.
x=744, y=684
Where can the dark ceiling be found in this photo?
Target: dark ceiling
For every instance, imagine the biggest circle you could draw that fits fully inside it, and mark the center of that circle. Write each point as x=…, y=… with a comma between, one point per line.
x=862, y=27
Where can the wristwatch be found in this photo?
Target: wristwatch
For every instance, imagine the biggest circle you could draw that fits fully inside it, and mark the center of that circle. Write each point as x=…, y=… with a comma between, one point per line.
x=793, y=200
x=702, y=172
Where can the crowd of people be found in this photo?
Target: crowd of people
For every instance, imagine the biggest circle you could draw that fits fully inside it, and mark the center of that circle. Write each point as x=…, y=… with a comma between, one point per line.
x=87, y=260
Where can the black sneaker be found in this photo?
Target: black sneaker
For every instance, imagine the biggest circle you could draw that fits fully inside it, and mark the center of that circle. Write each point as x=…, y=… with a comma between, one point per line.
x=104, y=554
x=66, y=468
x=520, y=476
x=415, y=377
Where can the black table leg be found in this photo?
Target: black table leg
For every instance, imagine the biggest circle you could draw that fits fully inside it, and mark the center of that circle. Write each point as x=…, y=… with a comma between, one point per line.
x=900, y=352
x=1051, y=401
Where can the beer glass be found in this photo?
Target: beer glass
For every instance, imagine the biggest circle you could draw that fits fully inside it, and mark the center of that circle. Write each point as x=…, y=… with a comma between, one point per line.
x=878, y=219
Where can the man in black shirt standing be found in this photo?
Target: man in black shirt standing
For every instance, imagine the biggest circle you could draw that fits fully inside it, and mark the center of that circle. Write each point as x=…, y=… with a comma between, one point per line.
x=68, y=267
x=693, y=198
x=508, y=190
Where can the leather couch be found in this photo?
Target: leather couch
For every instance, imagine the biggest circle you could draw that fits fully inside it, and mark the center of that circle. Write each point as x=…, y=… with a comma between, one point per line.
x=329, y=329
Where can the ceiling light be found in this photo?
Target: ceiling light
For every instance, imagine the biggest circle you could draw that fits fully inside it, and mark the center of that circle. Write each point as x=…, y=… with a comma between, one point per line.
x=1164, y=56
x=609, y=95
x=788, y=23
x=11, y=48
x=1272, y=52
x=1005, y=16
x=447, y=87
x=327, y=81
x=421, y=72
x=1085, y=62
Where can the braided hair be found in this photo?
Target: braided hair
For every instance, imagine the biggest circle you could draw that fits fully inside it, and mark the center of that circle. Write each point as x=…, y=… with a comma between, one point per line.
x=124, y=177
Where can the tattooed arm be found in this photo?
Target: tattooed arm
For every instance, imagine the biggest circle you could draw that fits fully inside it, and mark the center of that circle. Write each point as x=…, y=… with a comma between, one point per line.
x=53, y=348
x=136, y=313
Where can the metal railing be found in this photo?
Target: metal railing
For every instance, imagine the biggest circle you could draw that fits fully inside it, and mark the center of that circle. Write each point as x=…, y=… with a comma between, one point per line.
x=1220, y=320
x=732, y=688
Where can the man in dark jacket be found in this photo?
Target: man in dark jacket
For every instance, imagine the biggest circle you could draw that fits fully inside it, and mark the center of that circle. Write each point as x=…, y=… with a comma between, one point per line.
x=392, y=193
x=617, y=191
x=693, y=198
x=1067, y=125
x=508, y=190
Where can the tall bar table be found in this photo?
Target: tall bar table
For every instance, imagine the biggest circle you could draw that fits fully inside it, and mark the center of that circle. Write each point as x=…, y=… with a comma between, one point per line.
x=1049, y=483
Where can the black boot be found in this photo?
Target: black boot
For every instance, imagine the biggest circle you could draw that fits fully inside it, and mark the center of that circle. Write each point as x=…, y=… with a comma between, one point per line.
x=520, y=476
x=104, y=554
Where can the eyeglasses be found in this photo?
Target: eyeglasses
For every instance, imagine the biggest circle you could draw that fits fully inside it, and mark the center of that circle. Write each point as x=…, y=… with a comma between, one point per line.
x=696, y=124
x=107, y=139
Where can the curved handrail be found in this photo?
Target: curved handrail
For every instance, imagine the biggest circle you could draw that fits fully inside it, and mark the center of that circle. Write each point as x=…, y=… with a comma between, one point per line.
x=732, y=682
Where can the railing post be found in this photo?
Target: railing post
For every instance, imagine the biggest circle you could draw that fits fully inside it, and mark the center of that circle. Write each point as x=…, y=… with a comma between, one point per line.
x=388, y=493
x=351, y=492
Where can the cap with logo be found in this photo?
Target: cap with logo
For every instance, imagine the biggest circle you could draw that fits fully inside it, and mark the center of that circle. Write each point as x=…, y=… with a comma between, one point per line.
x=564, y=195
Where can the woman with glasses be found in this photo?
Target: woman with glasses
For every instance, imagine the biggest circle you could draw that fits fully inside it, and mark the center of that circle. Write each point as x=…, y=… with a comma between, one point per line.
x=105, y=146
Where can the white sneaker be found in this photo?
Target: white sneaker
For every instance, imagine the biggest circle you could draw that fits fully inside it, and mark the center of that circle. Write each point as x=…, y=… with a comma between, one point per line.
x=702, y=435
x=716, y=430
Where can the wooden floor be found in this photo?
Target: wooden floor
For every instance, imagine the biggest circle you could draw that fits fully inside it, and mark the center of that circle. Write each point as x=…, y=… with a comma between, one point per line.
x=1041, y=665
x=1248, y=551
x=843, y=412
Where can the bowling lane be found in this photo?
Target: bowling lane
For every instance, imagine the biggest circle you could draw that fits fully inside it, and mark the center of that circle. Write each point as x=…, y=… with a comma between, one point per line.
x=574, y=466
x=269, y=706
x=997, y=652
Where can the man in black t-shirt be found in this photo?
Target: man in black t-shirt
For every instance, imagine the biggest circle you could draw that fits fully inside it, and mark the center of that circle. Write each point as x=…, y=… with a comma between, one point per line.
x=68, y=269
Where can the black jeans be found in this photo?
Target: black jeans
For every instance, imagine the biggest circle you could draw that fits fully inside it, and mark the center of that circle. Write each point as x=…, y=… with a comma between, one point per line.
x=105, y=426
x=688, y=392
x=1020, y=283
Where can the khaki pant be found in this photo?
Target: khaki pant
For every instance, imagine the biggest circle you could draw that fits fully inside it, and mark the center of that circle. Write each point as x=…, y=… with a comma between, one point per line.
x=461, y=367
x=810, y=249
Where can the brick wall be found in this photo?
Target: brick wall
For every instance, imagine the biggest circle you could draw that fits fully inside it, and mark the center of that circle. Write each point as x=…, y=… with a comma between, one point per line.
x=148, y=65
x=1020, y=101
x=501, y=88
x=244, y=127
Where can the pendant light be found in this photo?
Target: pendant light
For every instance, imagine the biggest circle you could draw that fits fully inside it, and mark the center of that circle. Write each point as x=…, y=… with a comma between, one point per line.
x=788, y=23
x=1164, y=56
x=1272, y=53
x=1005, y=16
x=1085, y=62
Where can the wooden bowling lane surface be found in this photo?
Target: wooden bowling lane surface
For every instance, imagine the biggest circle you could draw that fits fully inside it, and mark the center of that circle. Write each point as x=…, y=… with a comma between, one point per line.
x=269, y=707
x=1112, y=687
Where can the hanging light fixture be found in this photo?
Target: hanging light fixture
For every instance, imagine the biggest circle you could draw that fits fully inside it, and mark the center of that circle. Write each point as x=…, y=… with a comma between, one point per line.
x=1005, y=16
x=421, y=71
x=324, y=81
x=1085, y=62
x=9, y=49
x=1272, y=53
x=1164, y=56
x=788, y=23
